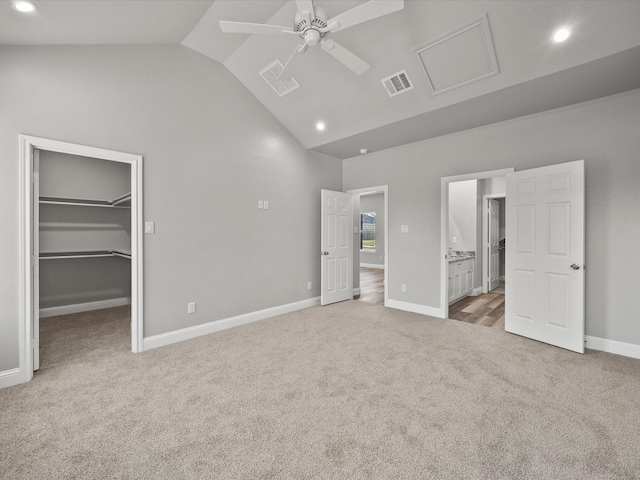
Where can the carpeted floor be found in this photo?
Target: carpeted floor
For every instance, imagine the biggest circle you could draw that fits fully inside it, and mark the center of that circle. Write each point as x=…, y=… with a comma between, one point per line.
x=346, y=391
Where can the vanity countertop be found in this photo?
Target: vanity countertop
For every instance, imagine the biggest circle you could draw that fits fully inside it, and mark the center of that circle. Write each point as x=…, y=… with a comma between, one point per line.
x=462, y=257
x=457, y=256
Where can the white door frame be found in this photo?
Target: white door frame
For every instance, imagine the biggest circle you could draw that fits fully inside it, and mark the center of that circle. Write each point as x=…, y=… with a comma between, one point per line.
x=27, y=145
x=444, y=227
x=485, y=236
x=384, y=189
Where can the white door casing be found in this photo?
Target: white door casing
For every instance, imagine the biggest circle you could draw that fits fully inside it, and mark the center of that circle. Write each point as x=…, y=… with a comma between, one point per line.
x=494, y=243
x=35, y=255
x=545, y=255
x=336, y=247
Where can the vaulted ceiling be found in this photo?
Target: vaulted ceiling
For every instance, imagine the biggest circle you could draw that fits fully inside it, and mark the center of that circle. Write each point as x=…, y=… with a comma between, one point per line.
x=511, y=40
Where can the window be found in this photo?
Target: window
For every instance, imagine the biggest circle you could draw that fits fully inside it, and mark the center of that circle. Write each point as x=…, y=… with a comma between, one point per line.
x=368, y=232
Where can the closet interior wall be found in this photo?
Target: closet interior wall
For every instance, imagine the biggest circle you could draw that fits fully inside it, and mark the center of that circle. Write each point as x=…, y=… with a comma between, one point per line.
x=84, y=232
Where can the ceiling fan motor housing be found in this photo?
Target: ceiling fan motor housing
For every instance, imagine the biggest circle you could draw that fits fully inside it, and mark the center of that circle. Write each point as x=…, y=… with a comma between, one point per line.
x=310, y=29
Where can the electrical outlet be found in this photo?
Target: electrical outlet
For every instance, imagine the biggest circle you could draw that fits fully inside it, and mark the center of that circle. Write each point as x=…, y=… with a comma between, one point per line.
x=454, y=239
x=309, y=285
x=403, y=288
x=404, y=228
x=191, y=307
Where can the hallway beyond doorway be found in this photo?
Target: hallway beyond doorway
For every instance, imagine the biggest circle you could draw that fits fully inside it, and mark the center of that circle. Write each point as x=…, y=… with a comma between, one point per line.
x=371, y=285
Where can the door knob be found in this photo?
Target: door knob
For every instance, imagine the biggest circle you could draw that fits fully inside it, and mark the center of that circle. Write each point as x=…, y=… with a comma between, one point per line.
x=575, y=266
x=324, y=253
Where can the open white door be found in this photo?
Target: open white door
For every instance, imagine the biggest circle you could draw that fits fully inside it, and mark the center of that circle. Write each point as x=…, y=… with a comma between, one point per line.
x=336, y=248
x=545, y=255
x=494, y=244
x=35, y=255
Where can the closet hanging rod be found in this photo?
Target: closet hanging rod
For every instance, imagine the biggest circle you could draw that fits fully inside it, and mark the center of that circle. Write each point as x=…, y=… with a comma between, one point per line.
x=84, y=202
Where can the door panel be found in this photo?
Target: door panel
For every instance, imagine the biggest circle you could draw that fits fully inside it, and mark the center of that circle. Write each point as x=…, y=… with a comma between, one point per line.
x=337, y=252
x=494, y=244
x=545, y=255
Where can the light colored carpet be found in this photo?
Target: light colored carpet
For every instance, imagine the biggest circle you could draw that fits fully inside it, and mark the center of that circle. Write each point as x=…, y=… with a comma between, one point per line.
x=346, y=391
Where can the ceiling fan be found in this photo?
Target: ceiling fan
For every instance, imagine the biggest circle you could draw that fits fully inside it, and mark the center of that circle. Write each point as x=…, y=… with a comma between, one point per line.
x=312, y=24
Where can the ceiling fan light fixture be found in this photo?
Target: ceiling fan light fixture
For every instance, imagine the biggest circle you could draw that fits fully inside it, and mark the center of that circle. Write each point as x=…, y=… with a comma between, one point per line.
x=24, y=7
x=562, y=35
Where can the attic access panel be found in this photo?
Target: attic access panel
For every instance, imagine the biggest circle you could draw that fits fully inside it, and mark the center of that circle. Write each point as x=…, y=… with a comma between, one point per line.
x=460, y=57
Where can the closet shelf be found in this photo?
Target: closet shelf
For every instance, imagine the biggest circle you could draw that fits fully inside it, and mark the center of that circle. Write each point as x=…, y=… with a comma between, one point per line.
x=84, y=254
x=124, y=201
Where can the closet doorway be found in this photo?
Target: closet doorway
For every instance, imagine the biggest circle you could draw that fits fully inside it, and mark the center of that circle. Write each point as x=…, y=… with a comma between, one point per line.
x=72, y=222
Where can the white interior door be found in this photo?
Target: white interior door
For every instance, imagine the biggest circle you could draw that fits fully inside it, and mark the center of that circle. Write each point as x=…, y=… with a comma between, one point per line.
x=494, y=243
x=35, y=255
x=545, y=255
x=336, y=247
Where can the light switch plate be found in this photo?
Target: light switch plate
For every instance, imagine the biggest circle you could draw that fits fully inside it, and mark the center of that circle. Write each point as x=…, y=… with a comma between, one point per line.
x=260, y=204
x=404, y=228
x=266, y=204
x=149, y=227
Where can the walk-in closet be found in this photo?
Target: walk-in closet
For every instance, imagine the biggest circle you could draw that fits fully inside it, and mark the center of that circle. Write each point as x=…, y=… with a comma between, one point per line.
x=83, y=224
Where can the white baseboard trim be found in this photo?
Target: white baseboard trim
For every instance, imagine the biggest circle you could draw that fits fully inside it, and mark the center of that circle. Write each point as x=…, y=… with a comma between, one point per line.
x=84, y=307
x=415, y=308
x=372, y=265
x=612, y=346
x=188, y=333
x=9, y=378
x=356, y=291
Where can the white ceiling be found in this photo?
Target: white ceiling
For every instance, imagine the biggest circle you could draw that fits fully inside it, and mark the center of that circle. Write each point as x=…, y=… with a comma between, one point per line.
x=601, y=58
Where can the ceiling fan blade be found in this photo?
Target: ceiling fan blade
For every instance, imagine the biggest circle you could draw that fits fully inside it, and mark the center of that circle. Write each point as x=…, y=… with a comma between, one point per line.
x=363, y=13
x=306, y=6
x=242, y=27
x=337, y=51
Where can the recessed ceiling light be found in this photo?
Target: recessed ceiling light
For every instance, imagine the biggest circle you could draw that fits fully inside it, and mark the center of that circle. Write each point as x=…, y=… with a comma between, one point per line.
x=24, y=7
x=561, y=34
x=320, y=126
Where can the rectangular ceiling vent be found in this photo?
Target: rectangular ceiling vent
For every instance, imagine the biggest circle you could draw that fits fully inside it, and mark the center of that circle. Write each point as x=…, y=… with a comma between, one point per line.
x=271, y=73
x=397, y=83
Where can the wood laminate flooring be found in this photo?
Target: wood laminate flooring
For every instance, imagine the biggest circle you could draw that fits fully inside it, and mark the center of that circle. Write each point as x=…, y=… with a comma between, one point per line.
x=486, y=309
x=371, y=285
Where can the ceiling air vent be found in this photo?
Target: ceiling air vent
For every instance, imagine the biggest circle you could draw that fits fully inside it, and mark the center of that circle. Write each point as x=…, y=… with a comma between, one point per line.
x=397, y=83
x=271, y=73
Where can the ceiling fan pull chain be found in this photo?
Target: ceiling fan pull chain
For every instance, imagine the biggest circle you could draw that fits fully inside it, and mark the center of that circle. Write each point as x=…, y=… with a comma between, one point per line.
x=298, y=48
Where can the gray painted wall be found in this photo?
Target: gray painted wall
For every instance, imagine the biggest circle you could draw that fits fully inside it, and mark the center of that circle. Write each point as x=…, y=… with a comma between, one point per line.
x=374, y=203
x=463, y=218
x=604, y=133
x=211, y=151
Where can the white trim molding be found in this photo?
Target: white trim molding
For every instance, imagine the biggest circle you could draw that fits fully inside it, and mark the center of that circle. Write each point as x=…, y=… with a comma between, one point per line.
x=84, y=307
x=188, y=333
x=612, y=346
x=9, y=378
x=415, y=308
